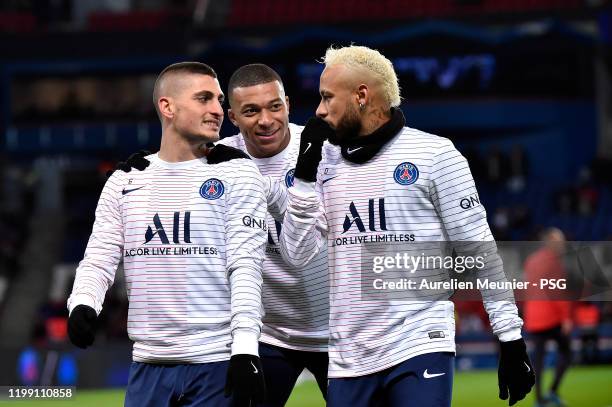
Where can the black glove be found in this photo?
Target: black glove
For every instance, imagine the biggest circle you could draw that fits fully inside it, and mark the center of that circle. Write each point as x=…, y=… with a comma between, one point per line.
x=220, y=153
x=311, y=143
x=515, y=374
x=245, y=381
x=82, y=326
x=136, y=160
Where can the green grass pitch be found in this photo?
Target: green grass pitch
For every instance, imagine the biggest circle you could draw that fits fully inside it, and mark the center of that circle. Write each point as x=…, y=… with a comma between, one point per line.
x=582, y=387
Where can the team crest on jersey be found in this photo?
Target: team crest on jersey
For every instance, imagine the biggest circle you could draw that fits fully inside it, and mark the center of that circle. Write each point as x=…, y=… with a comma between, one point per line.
x=406, y=173
x=289, y=177
x=212, y=189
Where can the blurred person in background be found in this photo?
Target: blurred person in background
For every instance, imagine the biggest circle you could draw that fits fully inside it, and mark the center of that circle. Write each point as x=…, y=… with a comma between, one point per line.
x=587, y=317
x=192, y=265
x=547, y=320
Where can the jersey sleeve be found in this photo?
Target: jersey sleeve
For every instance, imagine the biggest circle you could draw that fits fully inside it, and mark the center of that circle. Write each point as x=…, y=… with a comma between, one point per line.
x=245, y=235
x=277, y=198
x=304, y=230
x=96, y=272
x=276, y=191
x=456, y=200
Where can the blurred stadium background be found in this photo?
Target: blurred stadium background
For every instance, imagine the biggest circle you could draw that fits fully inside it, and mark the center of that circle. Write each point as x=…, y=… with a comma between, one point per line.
x=523, y=88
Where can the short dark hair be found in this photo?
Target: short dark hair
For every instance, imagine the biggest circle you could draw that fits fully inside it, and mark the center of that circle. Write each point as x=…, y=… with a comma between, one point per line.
x=180, y=67
x=251, y=75
x=189, y=67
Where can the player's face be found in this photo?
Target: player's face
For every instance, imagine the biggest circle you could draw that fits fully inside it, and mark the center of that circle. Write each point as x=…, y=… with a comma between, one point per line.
x=261, y=112
x=198, y=111
x=338, y=106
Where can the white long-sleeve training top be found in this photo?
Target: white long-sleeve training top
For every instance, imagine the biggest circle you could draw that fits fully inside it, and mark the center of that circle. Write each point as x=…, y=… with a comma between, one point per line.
x=411, y=193
x=192, y=238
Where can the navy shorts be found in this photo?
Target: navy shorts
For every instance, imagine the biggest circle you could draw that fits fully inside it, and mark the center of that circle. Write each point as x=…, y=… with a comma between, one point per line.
x=422, y=381
x=160, y=385
x=282, y=367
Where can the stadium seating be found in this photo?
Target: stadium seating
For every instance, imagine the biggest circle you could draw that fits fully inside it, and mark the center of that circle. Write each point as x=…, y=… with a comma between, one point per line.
x=14, y=21
x=280, y=12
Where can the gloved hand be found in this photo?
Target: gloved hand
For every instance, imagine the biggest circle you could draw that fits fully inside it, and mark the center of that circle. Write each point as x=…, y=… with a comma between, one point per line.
x=245, y=381
x=136, y=160
x=314, y=134
x=220, y=153
x=515, y=373
x=82, y=326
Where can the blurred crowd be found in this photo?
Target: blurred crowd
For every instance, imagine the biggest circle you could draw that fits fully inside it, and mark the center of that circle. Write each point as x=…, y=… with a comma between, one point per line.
x=72, y=14
x=15, y=209
x=68, y=100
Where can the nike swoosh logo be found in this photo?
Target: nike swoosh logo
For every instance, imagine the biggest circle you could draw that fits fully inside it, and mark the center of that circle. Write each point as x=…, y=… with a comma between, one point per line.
x=256, y=371
x=307, y=148
x=127, y=191
x=329, y=179
x=349, y=151
x=527, y=366
x=430, y=375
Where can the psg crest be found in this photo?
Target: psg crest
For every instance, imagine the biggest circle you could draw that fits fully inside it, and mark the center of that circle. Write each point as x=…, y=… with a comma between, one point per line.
x=212, y=189
x=406, y=173
x=289, y=177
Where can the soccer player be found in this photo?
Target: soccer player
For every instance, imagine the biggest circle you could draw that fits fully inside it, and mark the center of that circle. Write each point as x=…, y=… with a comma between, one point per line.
x=548, y=320
x=192, y=240
x=379, y=180
x=296, y=302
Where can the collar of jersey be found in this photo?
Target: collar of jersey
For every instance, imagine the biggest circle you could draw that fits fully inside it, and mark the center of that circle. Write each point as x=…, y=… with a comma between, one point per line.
x=177, y=165
x=362, y=149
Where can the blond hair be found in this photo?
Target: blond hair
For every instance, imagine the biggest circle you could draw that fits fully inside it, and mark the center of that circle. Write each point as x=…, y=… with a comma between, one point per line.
x=372, y=61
